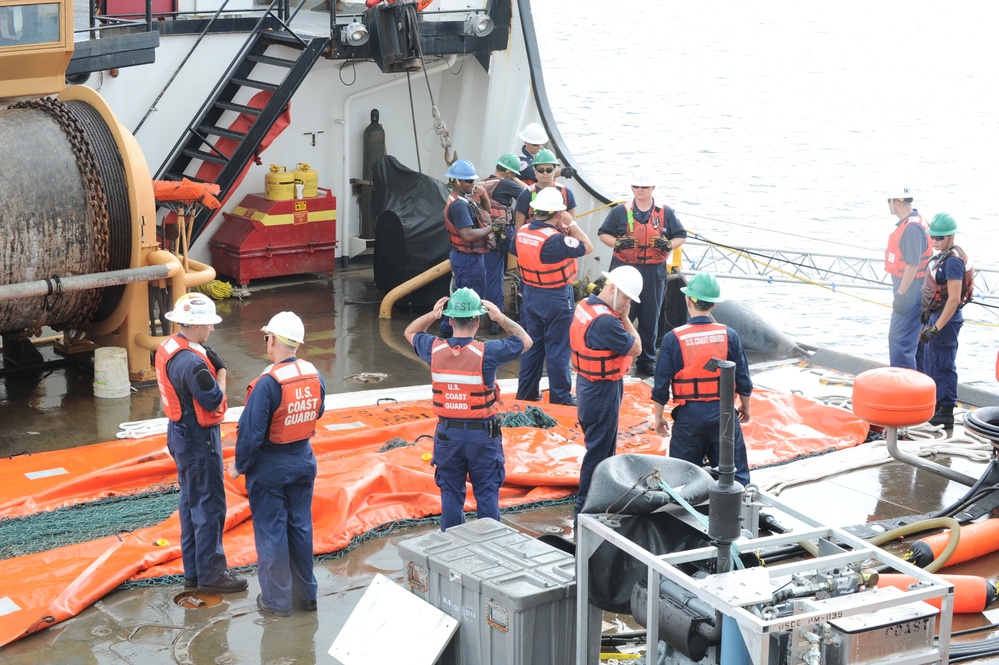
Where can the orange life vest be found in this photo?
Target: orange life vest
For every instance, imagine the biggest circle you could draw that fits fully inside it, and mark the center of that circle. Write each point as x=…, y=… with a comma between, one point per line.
x=643, y=252
x=532, y=271
x=699, y=344
x=480, y=217
x=499, y=213
x=935, y=294
x=168, y=394
x=534, y=189
x=894, y=265
x=594, y=364
x=456, y=380
x=295, y=417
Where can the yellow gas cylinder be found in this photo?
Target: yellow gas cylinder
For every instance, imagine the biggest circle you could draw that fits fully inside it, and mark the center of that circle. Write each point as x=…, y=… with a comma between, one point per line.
x=309, y=178
x=279, y=185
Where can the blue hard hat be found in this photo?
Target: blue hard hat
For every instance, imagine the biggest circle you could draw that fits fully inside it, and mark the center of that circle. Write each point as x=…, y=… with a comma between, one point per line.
x=462, y=169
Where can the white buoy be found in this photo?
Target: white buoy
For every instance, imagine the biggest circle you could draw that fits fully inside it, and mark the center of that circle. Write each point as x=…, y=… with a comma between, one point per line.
x=111, y=373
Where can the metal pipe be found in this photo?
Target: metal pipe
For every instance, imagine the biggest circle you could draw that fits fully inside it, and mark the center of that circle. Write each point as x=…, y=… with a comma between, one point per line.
x=725, y=494
x=891, y=441
x=410, y=285
x=98, y=280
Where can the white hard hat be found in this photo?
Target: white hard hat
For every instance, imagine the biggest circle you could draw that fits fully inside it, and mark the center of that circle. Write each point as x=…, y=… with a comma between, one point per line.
x=534, y=134
x=901, y=193
x=194, y=309
x=287, y=326
x=642, y=179
x=628, y=281
x=549, y=199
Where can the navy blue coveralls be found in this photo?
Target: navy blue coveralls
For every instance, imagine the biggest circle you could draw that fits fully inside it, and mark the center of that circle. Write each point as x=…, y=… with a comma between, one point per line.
x=600, y=401
x=468, y=269
x=653, y=276
x=546, y=315
x=505, y=194
x=463, y=447
x=279, y=482
x=695, y=430
x=197, y=451
x=940, y=353
x=904, y=328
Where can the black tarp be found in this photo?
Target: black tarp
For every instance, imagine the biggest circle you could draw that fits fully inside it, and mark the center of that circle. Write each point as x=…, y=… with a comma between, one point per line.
x=410, y=238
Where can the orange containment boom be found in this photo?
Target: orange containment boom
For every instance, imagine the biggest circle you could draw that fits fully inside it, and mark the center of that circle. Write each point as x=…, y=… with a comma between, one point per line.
x=363, y=483
x=977, y=539
x=971, y=593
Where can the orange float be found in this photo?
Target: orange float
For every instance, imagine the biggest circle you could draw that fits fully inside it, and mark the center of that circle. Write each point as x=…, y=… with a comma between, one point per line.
x=894, y=397
x=977, y=539
x=971, y=593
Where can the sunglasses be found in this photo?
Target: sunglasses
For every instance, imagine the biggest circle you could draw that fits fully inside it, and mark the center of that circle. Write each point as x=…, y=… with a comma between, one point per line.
x=641, y=186
x=540, y=169
x=267, y=338
x=936, y=238
x=467, y=181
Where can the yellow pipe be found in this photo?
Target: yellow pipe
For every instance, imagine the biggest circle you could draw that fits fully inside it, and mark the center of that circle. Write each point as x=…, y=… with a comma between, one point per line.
x=411, y=285
x=201, y=273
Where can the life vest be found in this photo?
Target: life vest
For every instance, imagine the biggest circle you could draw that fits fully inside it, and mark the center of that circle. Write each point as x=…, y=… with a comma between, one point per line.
x=894, y=265
x=594, y=364
x=935, y=294
x=459, y=391
x=480, y=218
x=699, y=344
x=643, y=252
x=295, y=417
x=534, y=189
x=172, y=407
x=499, y=213
x=532, y=271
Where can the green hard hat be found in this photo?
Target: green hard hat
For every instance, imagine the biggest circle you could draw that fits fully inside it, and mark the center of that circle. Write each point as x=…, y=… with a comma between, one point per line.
x=943, y=225
x=545, y=156
x=464, y=304
x=704, y=287
x=510, y=162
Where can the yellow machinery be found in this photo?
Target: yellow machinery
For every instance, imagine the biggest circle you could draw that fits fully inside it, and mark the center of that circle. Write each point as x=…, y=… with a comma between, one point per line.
x=77, y=209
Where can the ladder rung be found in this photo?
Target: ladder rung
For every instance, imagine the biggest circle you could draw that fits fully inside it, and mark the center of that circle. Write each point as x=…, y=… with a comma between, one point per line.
x=260, y=85
x=205, y=157
x=219, y=131
x=271, y=60
x=238, y=108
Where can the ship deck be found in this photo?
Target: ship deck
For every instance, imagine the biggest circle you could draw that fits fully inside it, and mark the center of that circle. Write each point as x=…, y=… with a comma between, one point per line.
x=54, y=408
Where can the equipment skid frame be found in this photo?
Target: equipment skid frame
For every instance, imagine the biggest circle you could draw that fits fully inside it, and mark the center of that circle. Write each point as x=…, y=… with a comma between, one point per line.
x=755, y=631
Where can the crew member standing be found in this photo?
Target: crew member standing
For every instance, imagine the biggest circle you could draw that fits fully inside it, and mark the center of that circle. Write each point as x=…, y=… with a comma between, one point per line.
x=949, y=276
x=191, y=378
x=534, y=138
x=681, y=368
x=468, y=444
x=643, y=233
x=906, y=257
x=466, y=217
x=547, y=248
x=603, y=343
x=545, y=168
x=503, y=188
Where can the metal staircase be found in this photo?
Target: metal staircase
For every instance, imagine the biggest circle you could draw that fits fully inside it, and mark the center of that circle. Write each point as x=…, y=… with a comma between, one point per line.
x=205, y=142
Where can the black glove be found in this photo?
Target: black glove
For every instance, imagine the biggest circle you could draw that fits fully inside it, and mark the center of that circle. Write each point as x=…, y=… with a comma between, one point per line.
x=568, y=172
x=928, y=334
x=214, y=358
x=625, y=242
x=924, y=316
x=662, y=244
x=898, y=304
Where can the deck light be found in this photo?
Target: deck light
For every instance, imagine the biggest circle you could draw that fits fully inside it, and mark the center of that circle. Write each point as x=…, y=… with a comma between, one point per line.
x=354, y=34
x=478, y=24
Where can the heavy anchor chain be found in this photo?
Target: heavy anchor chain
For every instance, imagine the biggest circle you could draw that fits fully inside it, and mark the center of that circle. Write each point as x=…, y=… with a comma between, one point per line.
x=97, y=205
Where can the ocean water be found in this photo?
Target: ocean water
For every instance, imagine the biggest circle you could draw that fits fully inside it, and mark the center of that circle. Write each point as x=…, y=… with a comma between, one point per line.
x=783, y=124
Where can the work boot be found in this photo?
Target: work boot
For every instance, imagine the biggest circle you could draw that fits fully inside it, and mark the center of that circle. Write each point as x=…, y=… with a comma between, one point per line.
x=228, y=584
x=944, y=415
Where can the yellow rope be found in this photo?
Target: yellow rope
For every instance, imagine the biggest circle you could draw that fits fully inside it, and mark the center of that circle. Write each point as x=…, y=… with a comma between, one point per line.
x=216, y=290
